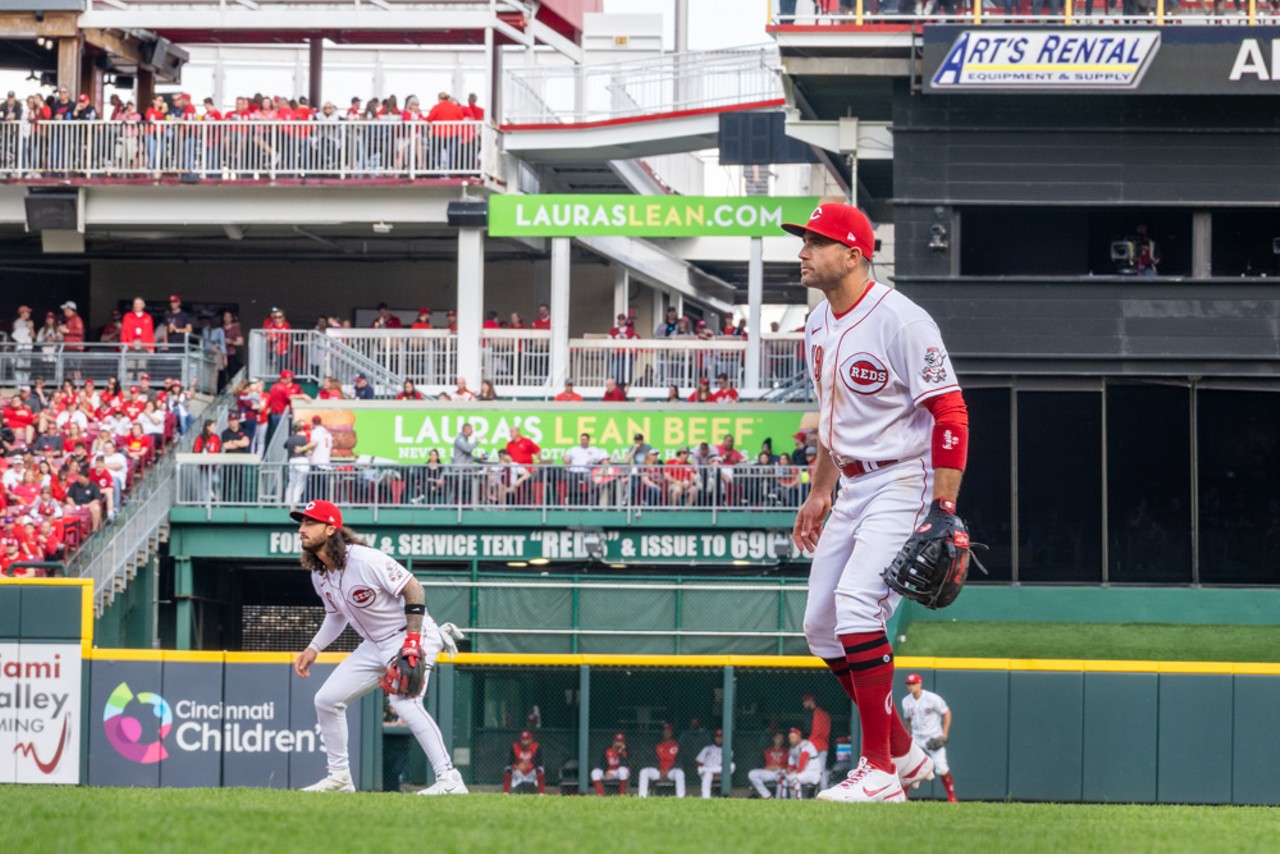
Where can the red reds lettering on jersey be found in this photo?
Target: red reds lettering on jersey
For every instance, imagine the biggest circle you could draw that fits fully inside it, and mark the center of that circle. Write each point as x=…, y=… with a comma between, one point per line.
x=863, y=373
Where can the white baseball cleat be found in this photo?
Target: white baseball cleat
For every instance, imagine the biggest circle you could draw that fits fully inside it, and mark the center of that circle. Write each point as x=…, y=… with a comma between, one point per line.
x=450, y=784
x=914, y=768
x=337, y=781
x=866, y=784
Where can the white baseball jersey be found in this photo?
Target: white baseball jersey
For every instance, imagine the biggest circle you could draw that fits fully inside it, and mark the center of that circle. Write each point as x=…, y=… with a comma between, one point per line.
x=804, y=748
x=872, y=368
x=711, y=756
x=367, y=593
x=926, y=714
x=322, y=453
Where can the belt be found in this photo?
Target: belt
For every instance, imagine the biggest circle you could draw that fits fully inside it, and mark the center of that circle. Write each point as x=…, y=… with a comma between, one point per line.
x=858, y=467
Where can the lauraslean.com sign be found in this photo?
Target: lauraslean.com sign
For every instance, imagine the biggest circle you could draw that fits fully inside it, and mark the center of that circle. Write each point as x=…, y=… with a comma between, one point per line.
x=1046, y=59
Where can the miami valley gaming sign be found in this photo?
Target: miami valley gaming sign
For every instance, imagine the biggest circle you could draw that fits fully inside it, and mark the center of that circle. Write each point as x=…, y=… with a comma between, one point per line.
x=1103, y=60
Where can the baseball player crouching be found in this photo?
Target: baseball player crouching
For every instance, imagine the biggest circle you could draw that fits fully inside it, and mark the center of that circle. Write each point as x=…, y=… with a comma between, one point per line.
x=893, y=431
x=385, y=604
x=930, y=718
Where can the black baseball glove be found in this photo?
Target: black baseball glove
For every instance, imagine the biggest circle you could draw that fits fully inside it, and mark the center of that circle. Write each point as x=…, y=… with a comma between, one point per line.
x=407, y=672
x=936, y=742
x=932, y=567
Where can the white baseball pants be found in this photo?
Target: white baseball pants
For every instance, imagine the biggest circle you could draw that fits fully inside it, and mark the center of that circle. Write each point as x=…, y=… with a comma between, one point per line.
x=873, y=516
x=761, y=777
x=653, y=775
x=356, y=676
x=708, y=775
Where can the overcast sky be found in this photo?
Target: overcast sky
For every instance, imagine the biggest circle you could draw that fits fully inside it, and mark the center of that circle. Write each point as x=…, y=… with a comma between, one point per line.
x=712, y=23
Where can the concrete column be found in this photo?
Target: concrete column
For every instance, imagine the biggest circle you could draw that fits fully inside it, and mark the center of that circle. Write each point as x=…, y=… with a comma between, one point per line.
x=755, y=297
x=144, y=88
x=1201, y=245
x=659, y=308
x=679, y=304
x=584, y=726
x=559, y=303
x=315, y=70
x=493, y=65
x=621, y=290
x=183, y=595
x=69, y=51
x=727, y=726
x=470, y=303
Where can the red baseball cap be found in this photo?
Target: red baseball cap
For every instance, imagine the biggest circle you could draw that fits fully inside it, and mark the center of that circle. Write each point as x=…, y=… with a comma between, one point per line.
x=913, y=678
x=286, y=374
x=424, y=311
x=321, y=511
x=526, y=735
x=174, y=298
x=720, y=733
x=797, y=731
x=842, y=223
x=619, y=737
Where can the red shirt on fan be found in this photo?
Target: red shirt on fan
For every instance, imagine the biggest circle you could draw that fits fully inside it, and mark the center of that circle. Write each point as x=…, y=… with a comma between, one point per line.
x=212, y=445
x=18, y=417
x=278, y=398
x=725, y=395
x=133, y=408
x=523, y=450
x=103, y=478
x=138, y=327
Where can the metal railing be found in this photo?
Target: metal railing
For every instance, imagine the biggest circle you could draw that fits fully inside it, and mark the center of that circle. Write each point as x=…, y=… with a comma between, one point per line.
x=518, y=361
x=314, y=356
x=805, y=13
x=23, y=364
x=674, y=82
x=247, y=150
x=238, y=480
x=113, y=555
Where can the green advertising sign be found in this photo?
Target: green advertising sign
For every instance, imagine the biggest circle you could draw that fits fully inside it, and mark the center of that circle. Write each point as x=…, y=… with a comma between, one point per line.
x=619, y=546
x=407, y=434
x=645, y=216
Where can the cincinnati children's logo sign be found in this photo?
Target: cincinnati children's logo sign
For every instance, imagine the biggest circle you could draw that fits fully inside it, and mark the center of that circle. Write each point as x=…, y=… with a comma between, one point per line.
x=140, y=725
x=1047, y=59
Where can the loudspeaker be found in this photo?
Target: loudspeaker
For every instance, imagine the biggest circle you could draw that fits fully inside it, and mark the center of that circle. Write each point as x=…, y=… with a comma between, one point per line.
x=468, y=214
x=154, y=53
x=124, y=81
x=102, y=62
x=57, y=209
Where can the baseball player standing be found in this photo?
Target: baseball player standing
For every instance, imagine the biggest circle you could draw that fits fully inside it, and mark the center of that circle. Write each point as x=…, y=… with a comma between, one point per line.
x=385, y=604
x=893, y=431
x=930, y=718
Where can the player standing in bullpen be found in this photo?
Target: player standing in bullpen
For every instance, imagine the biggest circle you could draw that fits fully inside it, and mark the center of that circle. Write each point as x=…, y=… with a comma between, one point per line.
x=385, y=604
x=930, y=718
x=893, y=430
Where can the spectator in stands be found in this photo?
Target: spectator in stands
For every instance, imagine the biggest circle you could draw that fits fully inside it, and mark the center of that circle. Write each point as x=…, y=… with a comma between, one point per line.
x=681, y=478
x=435, y=487
x=579, y=462
x=652, y=480
x=788, y=482
x=234, y=440
x=507, y=479
x=724, y=393
x=137, y=331
x=667, y=328
x=464, y=446
x=409, y=392
x=280, y=400
x=363, y=391
x=110, y=332
x=451, y=320
x=83, y=110
x=277, y=338
x=213, y=340
x=729, y=455
x=177, y=322
x=385, y=319
x=85, y=494
x=702, y=394
x=444, y=134
x=523, y=450
x=49, y=335
x=473, y=110
x=424, y=319
x=23, y=335
x=543, y=320
x=612, y=392
x=11, y=109
x=152, y=421
x=297, y=446
x=487, y=391
x=462, y=393
x=1147, y=257
x=330, y=389
x=623, y=330
x=19, y=418
x=234, y=336
x=568, y=395
x=118, y=464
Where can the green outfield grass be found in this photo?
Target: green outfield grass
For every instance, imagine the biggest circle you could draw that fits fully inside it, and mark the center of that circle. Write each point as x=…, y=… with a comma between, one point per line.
x=51, y=819
x=1141, y=641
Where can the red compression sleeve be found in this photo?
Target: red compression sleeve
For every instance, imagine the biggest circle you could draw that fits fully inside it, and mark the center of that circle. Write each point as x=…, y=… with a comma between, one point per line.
x=950, y=430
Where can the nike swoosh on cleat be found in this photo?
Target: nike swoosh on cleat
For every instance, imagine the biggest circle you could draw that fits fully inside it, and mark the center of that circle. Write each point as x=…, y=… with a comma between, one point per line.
x=871, y=794
x=916, y=769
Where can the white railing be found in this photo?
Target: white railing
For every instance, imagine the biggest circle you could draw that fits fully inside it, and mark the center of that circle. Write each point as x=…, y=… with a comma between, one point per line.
x=674, y=82
x=248, y=150
x=518, y=361
x=315, y=357
x=54, y=363
x=239, y=480
x=806, y=13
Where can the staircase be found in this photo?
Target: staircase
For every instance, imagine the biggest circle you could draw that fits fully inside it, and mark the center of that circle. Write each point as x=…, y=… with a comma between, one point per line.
x=312, y=356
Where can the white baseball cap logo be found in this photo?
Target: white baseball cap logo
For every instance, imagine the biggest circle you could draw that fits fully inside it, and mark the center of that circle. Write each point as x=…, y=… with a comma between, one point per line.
x=851, y=238
x=311, y=505
x=817, y=212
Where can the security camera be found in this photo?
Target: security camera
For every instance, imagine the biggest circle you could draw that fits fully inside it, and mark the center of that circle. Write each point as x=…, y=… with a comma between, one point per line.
x=382, y=227
x=938, y=241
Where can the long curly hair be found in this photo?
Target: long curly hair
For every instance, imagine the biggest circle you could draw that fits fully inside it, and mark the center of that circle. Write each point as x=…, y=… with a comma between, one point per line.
x=335, y=547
